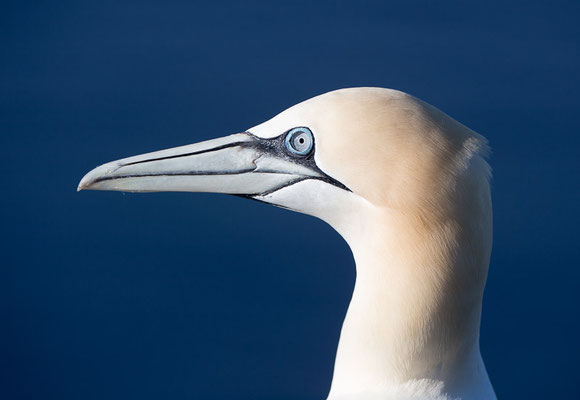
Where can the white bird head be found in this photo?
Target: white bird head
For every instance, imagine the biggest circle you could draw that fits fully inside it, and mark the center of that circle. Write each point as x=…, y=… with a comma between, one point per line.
x=380, y=145
x=403, y=183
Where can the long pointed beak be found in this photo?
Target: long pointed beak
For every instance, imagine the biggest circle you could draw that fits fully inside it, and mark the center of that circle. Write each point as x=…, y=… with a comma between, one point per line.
x=237, y=164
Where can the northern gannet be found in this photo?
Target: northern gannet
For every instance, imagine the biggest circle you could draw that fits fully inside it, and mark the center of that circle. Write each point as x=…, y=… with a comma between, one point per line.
x=406, y=186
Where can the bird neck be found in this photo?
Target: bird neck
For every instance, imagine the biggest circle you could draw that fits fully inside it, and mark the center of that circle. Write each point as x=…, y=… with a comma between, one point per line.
x=412, y=327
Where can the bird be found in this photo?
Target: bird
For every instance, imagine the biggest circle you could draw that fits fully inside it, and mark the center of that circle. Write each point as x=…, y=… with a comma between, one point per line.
x=406, y=186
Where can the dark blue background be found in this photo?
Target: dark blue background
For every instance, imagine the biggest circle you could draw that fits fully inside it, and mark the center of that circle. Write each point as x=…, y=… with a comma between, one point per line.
x=174, y=296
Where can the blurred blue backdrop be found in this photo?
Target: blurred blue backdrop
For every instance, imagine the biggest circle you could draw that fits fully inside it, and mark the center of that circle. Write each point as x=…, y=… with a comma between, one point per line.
x=175, y=296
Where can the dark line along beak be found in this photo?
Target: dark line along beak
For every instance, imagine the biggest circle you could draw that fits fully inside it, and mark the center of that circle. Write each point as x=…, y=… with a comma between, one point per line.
x=236, y=164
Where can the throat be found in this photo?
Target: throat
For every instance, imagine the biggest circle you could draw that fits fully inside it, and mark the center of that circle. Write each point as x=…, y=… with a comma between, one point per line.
x=412, y=327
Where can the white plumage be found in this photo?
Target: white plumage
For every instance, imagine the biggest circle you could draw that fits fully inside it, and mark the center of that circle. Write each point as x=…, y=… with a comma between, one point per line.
x=407, y=187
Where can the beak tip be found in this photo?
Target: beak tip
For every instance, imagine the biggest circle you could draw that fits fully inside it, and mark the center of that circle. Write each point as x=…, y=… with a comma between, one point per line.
x=96, y=174
x=90, y=178
x=83, y=184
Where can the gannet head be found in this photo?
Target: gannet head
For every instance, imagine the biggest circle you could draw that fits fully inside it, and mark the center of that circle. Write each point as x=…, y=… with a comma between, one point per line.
x=403, y=183
x=325, y=156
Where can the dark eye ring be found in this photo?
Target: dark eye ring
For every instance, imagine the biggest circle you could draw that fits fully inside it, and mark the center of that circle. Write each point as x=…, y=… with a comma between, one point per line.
x=299, y=141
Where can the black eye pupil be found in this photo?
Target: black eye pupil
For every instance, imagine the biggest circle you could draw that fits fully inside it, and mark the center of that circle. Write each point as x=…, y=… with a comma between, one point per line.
x=301, y=140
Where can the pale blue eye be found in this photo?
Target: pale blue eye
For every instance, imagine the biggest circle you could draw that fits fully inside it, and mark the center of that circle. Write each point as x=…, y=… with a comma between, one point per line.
x=299, y=141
